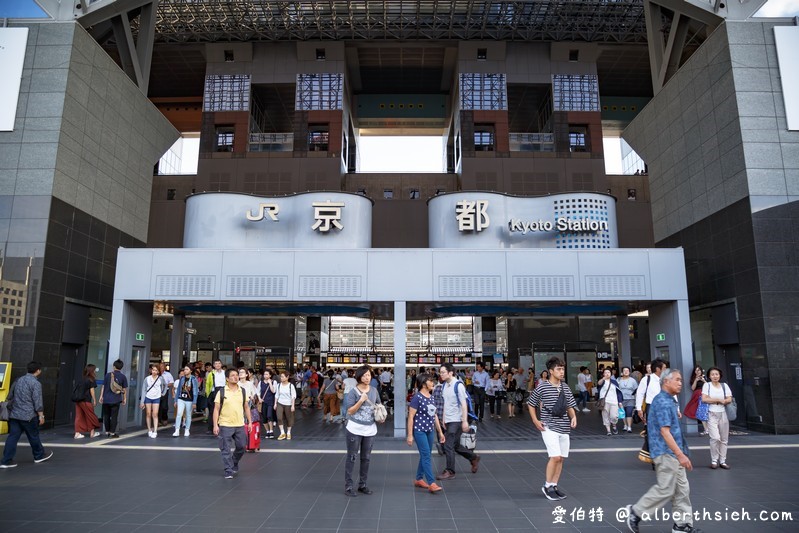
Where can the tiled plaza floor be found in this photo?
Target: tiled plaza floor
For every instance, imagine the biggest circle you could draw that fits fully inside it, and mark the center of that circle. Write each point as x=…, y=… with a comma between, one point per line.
x=140, y=484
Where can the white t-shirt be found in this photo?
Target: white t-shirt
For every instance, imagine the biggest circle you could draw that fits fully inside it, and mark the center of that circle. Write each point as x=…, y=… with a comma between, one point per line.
x=716, y=393
x=152, y=391
x=219, y=378
x=168, y=379
x=349, y=384
x=286, y=394
x=608, y=393
x=651, y=391
x=581, y=379
x=385, y=377
x=452, y=409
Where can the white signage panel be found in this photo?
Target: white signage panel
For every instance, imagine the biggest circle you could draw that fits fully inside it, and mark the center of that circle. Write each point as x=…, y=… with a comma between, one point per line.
x=787, y=41
x=321, y=220
x=13, y=42
x=573, y=221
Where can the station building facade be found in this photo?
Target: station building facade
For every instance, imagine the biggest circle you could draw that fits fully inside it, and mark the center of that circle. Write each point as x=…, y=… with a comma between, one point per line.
x=520, y=118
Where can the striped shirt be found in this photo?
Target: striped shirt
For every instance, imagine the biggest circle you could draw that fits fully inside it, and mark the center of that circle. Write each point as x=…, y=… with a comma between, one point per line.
x=545, y=395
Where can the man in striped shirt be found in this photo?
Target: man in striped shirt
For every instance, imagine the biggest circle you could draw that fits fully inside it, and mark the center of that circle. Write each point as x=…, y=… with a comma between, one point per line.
x=554, y=426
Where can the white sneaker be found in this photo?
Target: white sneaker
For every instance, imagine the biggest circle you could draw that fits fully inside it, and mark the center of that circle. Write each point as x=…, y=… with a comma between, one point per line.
x=586, y=410
x=176, y=433
x=187, y=434
x=152, y=434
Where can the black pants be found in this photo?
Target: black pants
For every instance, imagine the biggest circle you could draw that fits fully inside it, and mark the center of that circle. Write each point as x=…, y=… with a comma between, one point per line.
x=479, y=401
x=354, y=444
x=163, y=408
x=452, y=445
x=493, y=401
x=110, y=416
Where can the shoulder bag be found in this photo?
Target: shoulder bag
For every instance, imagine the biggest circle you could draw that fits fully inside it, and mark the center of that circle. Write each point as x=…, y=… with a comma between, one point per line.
x=380, y=411
x=732, y=407
x=702, y=409
x=600, y=404
x=115, y=387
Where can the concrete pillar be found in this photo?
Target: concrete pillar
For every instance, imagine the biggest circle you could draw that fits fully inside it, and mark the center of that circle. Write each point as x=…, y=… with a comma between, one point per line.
x=130, y=340
x=670, y=338
x=176, y=344
x=488, y=328
x=623, y=340
x=400, y=332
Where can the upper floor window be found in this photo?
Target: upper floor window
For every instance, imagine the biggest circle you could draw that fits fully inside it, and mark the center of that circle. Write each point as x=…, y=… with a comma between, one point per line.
x=319, y=92
x=224, y=139
x=578, y=139
x=483, y=91
x=575, y=92
x=227, y=92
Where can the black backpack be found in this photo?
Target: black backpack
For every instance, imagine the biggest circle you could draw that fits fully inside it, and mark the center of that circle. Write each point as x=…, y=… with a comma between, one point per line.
x=243, y=400
x=79, y=392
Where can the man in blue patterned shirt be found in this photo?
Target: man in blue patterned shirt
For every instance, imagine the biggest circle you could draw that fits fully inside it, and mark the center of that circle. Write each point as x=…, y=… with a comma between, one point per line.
x=26, y=415
x=669, y=451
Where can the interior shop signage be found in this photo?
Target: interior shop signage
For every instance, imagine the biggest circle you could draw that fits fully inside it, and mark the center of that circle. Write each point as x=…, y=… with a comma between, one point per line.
x=304, y=220
x=326, y=215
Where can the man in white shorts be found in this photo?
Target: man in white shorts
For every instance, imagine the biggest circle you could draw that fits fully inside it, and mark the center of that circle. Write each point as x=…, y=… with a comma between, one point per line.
x=554, y=426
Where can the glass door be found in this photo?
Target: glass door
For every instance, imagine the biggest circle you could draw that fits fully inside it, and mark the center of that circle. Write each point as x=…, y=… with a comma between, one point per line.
x=134, y=386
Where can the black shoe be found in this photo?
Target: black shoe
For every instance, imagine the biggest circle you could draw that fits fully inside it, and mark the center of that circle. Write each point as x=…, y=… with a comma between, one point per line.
x=9, y=465
x=615, y=430
x=365, y=490
x=687, y=528
x=560, y=493
x=44, y=458
x=632, y=519
x=349, y=491
x=550, y=493
x=114, y=436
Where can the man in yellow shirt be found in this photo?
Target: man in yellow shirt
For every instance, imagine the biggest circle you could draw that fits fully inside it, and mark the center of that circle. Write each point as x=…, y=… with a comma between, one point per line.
x=230, y=408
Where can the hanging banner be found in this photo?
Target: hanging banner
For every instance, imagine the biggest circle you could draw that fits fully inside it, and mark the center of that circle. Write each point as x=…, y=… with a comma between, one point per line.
x=13, y=42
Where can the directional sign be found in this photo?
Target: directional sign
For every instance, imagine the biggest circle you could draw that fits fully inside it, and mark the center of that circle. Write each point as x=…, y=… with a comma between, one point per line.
x=660, y=337
x=140, y=336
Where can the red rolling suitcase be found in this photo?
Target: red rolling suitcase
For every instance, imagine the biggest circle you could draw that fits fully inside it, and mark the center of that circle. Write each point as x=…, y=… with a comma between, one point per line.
x=254, y=438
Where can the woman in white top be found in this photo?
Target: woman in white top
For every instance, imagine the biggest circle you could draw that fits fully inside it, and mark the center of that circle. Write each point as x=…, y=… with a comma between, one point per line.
x=716, y=395
x=285, y=396
x=628, y=387
x=608, y=392
x=151, y=399
x=496, y=393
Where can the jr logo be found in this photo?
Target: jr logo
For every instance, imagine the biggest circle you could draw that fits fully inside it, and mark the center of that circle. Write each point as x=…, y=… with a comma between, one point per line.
x=271, y=210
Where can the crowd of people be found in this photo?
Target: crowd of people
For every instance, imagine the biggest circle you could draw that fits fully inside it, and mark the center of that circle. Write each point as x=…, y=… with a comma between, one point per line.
x=443, y=403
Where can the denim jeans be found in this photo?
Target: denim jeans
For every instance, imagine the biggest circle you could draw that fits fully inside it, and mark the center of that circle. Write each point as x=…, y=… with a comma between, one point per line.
x=184, y=408
x=582, y=399
x=425, y=442
x=110, y=417
x=355, y=443
x=232, y=443
x=15, y=430
x=452, y=445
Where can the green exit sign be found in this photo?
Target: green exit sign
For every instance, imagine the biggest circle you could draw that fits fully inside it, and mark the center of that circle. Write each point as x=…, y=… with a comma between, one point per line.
x=140, y=336
x=660, y=337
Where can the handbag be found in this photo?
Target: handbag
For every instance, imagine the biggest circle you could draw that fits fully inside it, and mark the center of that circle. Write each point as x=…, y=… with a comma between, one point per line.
x=380, y=411
x=732, y=407
x=622, y=413
x=115, y=387
x=600, y=404
x=5, y=405
x=469, y=438
x=643, y=453
x=702, y=411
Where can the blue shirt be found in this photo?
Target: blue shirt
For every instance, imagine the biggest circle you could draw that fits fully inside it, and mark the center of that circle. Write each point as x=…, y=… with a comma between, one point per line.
x=424, y=418
x=480, y=379
x=108, y=395
x=663, y=413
